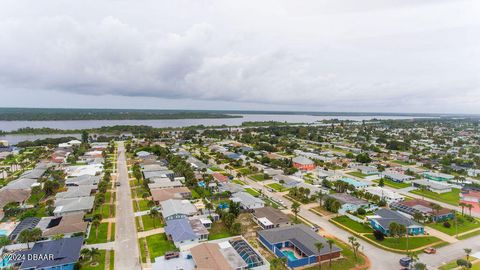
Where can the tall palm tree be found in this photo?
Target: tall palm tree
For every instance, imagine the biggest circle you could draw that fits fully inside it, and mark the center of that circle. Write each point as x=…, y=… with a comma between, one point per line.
x=154, y=214
x=467, y=251
x=330, y=247
x=96, y=224
x=462, y=204
x=295, y=209
x=319, y=247
x=85, y=253
x=469, y=206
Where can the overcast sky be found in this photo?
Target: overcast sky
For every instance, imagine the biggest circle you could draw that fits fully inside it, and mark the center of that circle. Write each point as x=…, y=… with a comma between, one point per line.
x=334, y=55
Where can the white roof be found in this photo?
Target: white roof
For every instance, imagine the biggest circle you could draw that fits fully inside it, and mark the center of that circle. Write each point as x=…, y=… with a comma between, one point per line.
x=265, y=221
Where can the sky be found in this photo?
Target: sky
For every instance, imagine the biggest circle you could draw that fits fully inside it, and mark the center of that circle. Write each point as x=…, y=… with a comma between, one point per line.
x=308, y=55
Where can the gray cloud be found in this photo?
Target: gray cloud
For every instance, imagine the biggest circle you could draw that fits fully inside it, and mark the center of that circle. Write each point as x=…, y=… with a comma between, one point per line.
x=393, y=55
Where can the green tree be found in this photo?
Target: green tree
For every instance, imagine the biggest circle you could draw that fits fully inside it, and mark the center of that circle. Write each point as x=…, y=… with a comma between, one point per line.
x=319, y=247
x=330, y=247
x=295, y=209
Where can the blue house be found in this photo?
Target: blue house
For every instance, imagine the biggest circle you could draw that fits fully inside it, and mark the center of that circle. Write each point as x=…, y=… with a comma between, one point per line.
x=59, y=254
x=384, y=217
x=297, y=244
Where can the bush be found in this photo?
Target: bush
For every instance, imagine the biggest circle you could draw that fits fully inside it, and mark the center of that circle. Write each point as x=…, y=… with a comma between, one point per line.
x=378, y=235
x=361, y=211
x=464, y=263
x=447, y=224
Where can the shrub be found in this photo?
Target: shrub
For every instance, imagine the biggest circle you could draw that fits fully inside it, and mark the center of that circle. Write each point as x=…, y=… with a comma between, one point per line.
x=447, y=224
x=361, y=211
x=378, y=235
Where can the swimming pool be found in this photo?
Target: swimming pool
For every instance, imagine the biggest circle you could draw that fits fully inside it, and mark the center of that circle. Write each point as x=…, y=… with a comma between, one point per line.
x=290, y=255
x=3, y=232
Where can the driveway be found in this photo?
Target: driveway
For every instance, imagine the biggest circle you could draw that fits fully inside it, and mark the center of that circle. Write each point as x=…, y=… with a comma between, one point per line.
x=126, y=248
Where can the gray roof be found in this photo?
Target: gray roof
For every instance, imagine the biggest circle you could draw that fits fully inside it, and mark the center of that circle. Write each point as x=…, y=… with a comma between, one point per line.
x=171, y=207
x=35, y=173
x=64, y=251
x=21, y=183
x=158, y=174
x=302, y=160
x=344, y=198
x=73, y=204
x=83, y=180
x=153, y=167
x=273, y=215
x=180, y=230
x=301, y=236
x=432, y=184
x=75, y=192
x=387, y=216
x=246, y=199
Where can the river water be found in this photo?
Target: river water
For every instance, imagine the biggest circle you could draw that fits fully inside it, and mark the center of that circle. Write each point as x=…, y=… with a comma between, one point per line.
x=163, y=123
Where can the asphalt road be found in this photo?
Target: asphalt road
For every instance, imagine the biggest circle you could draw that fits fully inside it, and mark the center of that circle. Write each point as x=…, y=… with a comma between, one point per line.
x=126, y=247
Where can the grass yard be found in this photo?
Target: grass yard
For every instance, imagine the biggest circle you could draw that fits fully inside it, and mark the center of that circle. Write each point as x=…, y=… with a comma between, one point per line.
x=252, y=192
x=112, y=232
x=352, y=224
x=453, y=264
x=451, y=197
x=257, y=177
x=216, y=169
x=158, y=244
x=245, y=171
x=148, y=223
x=102, y=234
x=143, y=204
x=357, y=174
x=413, y=242
x=464, y=226
x=218, y=231
x=143, y=254
x=277, y=187
x=94, y=264
x=236, y=181
x=393, y=184
x=111, y=266
x=347, y=261
x=468, y=235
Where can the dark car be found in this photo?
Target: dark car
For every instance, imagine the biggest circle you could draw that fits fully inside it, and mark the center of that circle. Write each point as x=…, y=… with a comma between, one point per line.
x=171, y=255
x=405, y=262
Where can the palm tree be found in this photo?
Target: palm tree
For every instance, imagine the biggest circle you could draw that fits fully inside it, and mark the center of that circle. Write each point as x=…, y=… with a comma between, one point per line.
x=94, y=252
x=330, y=246
x=469, y=206
x=319, y=247
x=355, y=245
x=462, y=204
x=467, y=251
x=85, y=253
x=277, y=262
x=154, y=214
x=96, y=224
x=295, y=209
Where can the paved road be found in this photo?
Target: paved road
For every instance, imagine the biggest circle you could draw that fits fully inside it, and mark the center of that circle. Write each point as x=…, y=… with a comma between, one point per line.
x=379, y=258
x=126, y=248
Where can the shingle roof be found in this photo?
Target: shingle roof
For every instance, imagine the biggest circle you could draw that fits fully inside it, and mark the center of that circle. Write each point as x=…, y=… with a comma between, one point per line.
x=300, y=235
x=26, y=224
x=387, y=216
x=302, y=160
x=273, y=215
x=180, y=230
x=64, y=251
x=73, y=204
x=171, y=207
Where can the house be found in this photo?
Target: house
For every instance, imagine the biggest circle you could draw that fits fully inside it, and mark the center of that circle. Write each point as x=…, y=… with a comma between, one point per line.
x=357, y=184
x=196, y=163
x=247, y=201
x=76, y=192
x=471, y=196
x=83, y=180
x=269, y=217
x=73, y=205
x=385, y=194
x=442, y=177
x=90, y=169
x=232, y=254
x=297, y=244
x=231, y=155
x=230, y=187
x=220, y=178
x=413, y=206
x=473, y=172
x=368, y=170
x=177, y=209
x=432, y=185
x=272, y=172
x=286, y=180
x=50, y=255
x=384, y=217
x=348, y=202
x=65, y=225
x=185, y=231
x=303, y=163
x=163, y=182
x=158, y=174
x=12, y=195
x=179, y=193
x=397, y=177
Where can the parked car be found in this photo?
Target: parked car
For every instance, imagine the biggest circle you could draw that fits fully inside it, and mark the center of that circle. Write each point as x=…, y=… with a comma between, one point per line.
x=171, y=255
x=430, y=250
x=315, y=227
x=117, y=184
x=405, y=262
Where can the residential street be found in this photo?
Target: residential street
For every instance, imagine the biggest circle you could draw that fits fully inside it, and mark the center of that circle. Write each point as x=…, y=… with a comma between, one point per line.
x=126, y=247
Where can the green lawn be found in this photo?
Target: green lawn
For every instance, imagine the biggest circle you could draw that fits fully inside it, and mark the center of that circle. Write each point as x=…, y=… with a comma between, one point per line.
x=111, y=266
x=236, y=181
x=453, y=264
x=451, y=197
x=143, y=204
x=357, y=174
x=148, y=223
x=36, y=197
x=244, y=171
x=393, y=184
x=351, y=224
x=216, y=169
x=413, y=242
x=218, y=231
x=112, y=233
x=143, y=254
x=102, y=234
x=158, y=244
x=252, y=192
x=347, y=261
x=277, y=187
x=463, y=226
x=258, y=177
x=96, y=264
x=468, y=235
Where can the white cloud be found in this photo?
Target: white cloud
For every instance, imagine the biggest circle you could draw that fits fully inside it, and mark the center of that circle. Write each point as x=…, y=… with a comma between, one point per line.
x=380, y=56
